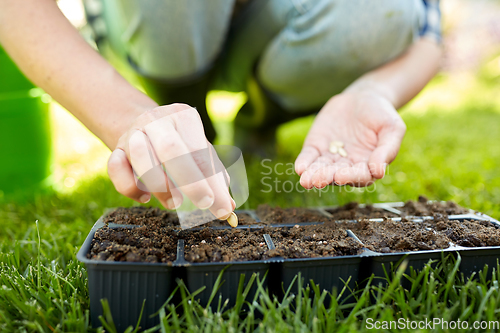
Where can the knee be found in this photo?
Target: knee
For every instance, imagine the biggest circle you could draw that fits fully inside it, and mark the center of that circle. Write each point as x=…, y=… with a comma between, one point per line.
x=171, y=40
x=324, y=49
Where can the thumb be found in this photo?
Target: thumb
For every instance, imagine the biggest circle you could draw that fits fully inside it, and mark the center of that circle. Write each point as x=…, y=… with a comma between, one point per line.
x=389, y=142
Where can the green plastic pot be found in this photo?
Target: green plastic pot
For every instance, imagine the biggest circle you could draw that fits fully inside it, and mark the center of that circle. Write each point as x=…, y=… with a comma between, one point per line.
x=11, y=78
x=25, y=141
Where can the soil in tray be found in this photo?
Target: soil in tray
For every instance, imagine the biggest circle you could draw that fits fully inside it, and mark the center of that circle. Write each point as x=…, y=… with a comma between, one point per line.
x=209, y=245
x=142, y=216
x=161, y=218
x=198, y=216
x=424, y=207
x=327, y=240
x=353, y=211
x=467, y=233
x=154, y=243
x=277, y=215
x=145, y=243
x=389, y=236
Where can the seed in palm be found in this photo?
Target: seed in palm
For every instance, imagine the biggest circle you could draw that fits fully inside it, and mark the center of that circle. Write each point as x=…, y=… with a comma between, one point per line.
x=337, y=147
x=334, y=149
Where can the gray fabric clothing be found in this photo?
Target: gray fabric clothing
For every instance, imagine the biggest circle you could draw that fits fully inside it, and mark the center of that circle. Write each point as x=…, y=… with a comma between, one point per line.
x=302, y=52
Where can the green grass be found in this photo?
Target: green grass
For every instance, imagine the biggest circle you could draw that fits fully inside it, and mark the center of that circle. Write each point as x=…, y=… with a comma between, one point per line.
x=450, y=152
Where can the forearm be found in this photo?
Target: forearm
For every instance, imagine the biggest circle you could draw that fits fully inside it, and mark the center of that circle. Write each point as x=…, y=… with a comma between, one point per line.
x=55, y=57
x=404, y=77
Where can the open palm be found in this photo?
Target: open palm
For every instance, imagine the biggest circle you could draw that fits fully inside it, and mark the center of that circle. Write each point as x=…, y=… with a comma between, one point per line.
x=371, y=130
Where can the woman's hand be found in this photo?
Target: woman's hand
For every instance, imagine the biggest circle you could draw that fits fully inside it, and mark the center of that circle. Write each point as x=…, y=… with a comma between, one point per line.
x=371, y=130
x=167, y=151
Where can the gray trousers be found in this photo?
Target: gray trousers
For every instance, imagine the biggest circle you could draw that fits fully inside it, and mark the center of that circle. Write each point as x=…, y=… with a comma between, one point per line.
x=300, y=52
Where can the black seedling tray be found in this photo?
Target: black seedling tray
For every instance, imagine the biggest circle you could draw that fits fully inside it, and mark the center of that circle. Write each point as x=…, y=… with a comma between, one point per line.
x=127, y=284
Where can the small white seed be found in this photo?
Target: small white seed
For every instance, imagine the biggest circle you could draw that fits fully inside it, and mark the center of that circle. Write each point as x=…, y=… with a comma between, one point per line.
x=261, y=244
x=342, y=152
x=320, y=243
x=296, y=226
x=203, y=241
x=233, y=220
x=219, y=237
x=333, y=148
x=337, y=143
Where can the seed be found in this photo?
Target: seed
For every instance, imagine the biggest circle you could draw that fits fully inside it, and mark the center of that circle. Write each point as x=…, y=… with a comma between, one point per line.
x=233, y=220
x=219, y=237
x=337, y=143
x=261, y=244
x=203, y=241
x=333, y=148
x=296, y=226
x=342, y=152
x=320, y=243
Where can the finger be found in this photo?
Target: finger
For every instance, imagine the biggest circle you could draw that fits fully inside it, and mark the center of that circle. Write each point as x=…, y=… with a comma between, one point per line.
x=190, y=128
x=389, y=142
x=147, y=166
x=326, y=175
x=173, y=198
x=306, y=179
x=356, y=175
x=179, y=163
x=223, y=204
x=306, y=157
x=122, y=176
x=216, y=177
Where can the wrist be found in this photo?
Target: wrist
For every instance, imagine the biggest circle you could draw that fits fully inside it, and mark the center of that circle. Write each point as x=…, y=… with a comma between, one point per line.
x=119, y=122
x=372, y=89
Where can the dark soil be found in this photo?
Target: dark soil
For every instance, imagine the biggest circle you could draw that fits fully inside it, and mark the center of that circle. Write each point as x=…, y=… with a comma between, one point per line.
x=155, y=240
x=145, y=243
x=328, y=240
x=277, y=215
x=353, y=211
x=423, y=207
x=142, y=216
x=469, y=233
x=441, y=233
x=162, y=218
x=389, y=236
x=224, y=245
x=200, y=215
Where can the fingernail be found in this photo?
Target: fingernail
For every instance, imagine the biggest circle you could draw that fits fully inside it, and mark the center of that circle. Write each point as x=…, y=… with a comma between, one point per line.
x=206, y=202
x=222, y=214
x=170, y=204
x=145, y=198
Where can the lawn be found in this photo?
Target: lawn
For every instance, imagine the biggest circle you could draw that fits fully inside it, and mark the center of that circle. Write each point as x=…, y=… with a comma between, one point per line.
x=450, y=152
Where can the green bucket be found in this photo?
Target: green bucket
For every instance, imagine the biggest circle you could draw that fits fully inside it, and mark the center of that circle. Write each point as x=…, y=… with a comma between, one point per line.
x=11, y=78
x=25, y=141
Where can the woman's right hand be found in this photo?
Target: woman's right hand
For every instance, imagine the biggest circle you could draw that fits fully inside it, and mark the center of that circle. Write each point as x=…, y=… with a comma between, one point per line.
x=165, y=146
